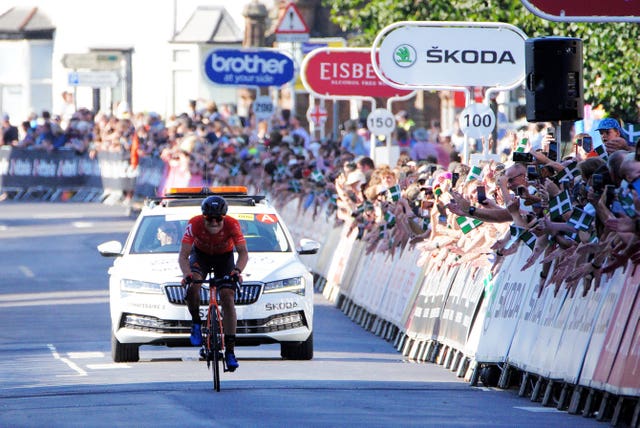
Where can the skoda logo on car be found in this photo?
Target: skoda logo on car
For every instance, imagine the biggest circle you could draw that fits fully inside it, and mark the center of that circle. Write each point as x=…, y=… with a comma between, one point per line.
x=257, y=67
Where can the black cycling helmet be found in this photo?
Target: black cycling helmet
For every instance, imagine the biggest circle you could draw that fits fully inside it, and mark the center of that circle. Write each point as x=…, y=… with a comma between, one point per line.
x=214, y=205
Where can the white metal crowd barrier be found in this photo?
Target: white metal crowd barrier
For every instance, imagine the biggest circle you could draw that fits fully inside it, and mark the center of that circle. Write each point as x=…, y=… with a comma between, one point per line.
x=584, y=349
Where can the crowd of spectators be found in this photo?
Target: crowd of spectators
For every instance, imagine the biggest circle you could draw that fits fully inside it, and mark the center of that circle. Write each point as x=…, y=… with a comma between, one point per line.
x=573, y=203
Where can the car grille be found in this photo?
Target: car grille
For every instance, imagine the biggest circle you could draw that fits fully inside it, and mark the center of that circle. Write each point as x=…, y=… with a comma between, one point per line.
x=272, y=324
x=248, y=294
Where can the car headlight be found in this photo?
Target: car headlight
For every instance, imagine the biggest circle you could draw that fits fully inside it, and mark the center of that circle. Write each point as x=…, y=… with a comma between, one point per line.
x=291, y=285
x=133, y=286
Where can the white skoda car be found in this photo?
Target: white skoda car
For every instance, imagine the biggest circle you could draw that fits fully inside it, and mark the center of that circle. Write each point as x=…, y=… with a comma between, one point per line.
x=147, y=304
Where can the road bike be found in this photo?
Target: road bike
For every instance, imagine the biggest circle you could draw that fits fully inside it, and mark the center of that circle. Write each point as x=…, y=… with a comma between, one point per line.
x=213, y=347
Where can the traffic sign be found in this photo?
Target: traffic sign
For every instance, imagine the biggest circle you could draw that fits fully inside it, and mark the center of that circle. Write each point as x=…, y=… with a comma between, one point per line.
x=381, y=122
x=477, y=120
x=292, y=27
x=317, y=114
x=93, y=79
x=263, y=107
x=93, y=61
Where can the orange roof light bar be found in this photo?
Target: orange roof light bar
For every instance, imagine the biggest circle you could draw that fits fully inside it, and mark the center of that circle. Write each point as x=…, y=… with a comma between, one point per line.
x=207, y=190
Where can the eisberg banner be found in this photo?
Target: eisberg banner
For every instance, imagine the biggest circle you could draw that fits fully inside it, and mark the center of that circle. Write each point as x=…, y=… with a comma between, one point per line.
x=344, y=73
x=423, y=54
x=248, y=67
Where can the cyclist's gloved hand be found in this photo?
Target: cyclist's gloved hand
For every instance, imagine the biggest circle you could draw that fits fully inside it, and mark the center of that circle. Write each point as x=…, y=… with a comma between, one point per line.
x=236, y=276
x=187, y=280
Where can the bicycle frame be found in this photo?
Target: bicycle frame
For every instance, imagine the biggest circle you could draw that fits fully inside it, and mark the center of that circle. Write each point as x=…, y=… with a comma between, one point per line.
x=213, y=345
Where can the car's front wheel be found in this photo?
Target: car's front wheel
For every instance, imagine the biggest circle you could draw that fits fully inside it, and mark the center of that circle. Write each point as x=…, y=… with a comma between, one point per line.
x=297, y=350
x=124, y=352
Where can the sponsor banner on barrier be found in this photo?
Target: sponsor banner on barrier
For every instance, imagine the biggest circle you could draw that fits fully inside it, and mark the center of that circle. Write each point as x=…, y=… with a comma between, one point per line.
x=586, y=310
x=540, y=327
x=338, y=265
x=477, y=324
x=624, y=376
x=424, y=322
x=460, y=306
x=367, y=280
x=510, y=287
x=21, y=168
x=401, y=286
x=66, y=169
x=150, y=173
x=607, y=335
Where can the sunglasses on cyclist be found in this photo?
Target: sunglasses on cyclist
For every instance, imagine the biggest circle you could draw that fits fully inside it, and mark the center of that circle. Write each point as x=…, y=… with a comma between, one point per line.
x=217, y=218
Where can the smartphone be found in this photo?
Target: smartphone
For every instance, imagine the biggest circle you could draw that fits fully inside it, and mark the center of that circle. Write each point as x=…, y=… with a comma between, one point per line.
x=521, y=190
x=597, y=181
x=586, y=143
x=454, y=178
x=610, y=195
x=482, y=195
x=553, y=151
x=551, y=131
x=522, y=157
x=637, y=151
x=636, y=185
x=547, y=171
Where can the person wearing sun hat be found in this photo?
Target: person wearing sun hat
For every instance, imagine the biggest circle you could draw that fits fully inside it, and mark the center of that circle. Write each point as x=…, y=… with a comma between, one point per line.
x=611, y=134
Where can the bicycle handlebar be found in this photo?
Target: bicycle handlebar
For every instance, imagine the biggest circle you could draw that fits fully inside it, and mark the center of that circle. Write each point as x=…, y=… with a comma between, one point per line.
x=227, y=279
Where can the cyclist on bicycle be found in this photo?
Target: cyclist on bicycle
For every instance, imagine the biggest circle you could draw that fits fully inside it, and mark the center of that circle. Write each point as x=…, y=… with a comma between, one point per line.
x=207, y=246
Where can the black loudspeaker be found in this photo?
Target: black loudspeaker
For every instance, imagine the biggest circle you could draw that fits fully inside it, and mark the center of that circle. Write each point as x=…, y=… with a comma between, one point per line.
x=554, y=89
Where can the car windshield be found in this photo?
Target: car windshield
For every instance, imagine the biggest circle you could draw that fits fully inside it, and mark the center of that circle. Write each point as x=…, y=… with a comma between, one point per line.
x=163, y=234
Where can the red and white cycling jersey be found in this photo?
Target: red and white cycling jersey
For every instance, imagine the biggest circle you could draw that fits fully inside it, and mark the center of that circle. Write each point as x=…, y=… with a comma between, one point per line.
x=213, y=243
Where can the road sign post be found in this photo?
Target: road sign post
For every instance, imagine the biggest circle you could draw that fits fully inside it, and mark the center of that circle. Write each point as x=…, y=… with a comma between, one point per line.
x=292, y=27
x=93, y=79
x=317, y=115
x=93, y=61
x=263, y=108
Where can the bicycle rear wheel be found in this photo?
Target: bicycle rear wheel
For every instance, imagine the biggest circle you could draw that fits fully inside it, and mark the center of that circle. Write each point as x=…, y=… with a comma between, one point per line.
x=215, y=346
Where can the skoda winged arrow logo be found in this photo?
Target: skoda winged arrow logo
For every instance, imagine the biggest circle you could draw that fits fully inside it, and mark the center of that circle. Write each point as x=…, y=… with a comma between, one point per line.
x=404, y=56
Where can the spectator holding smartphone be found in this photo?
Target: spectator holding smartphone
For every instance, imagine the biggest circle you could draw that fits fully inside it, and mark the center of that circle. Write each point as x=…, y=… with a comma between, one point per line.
x=611, y=134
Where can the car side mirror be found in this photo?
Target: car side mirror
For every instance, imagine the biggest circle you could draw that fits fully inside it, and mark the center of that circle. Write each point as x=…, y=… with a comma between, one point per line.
x=110, y=249
x=308, y=246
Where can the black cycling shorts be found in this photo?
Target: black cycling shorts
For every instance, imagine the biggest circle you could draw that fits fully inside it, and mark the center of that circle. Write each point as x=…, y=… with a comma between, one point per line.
x=203, y=263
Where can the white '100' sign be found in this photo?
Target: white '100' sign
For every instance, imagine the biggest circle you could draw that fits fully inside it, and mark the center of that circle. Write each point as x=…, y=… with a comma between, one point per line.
x=477, y=120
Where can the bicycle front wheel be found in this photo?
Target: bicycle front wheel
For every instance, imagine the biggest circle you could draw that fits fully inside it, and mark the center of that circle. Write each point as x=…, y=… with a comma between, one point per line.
x=215, y=348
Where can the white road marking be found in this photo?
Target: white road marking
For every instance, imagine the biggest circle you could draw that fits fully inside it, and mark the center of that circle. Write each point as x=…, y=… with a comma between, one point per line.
x=78, y=297
x=82, y=355
x=82, y=224
x=26, y=271
x=71, y=364
x=538, y=409
x=108, y=366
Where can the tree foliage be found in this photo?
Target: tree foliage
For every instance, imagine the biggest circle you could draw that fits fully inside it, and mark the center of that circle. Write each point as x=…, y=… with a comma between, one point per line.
x=611, y=51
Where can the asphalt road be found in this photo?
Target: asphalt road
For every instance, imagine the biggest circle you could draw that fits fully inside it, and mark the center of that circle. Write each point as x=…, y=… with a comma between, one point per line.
x=57, y=371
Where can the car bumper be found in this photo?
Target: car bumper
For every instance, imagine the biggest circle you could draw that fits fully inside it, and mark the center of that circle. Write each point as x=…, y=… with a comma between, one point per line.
x=153, y=319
